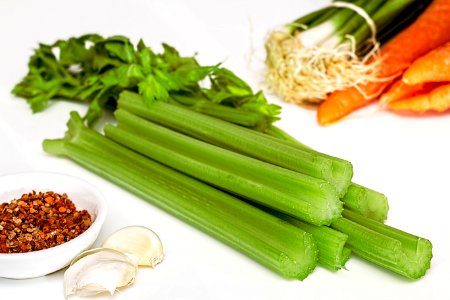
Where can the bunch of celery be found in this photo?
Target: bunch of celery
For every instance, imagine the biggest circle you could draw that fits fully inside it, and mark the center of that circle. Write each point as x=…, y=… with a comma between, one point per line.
x=277, y=245
x=212, y=157
x=288, y=154
x=333, y=48
x=237, y=198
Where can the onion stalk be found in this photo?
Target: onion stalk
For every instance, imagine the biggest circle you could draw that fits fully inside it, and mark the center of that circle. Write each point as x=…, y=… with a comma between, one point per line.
x=333, y=48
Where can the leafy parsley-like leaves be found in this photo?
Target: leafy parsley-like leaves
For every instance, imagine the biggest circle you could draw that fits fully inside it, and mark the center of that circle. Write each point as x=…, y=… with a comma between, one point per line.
x=94, y=69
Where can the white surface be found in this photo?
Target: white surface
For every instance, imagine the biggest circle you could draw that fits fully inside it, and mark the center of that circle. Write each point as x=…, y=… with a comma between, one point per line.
x=406, y=158
x=83, y=195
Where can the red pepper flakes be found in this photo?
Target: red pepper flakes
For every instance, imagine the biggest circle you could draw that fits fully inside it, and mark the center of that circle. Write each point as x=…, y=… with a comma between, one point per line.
x=39, y=221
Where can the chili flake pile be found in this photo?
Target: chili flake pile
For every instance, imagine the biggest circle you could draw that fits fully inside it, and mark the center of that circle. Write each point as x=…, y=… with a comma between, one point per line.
x=39, y=221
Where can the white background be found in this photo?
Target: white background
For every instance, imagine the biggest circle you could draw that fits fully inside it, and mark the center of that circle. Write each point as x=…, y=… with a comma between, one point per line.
x=405, y=157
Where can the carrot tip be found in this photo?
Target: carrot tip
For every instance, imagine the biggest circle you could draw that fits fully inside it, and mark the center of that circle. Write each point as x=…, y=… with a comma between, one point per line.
x=384, y=101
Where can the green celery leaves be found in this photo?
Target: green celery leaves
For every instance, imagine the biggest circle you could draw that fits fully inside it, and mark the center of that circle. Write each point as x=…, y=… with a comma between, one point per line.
x=94, y=69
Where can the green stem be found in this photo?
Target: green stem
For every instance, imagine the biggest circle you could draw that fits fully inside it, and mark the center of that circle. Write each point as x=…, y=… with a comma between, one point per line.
x=226, y=113
x=293, y=193
x=329, y=28
x=363, y=200
x=310, y=20
x=354, y=23
x=410, y=13
x=366, y=202
x=283, y=135
x=243, y=140
x=277, y=245
x=331, y=243
x=383, y=19
x=390, y=248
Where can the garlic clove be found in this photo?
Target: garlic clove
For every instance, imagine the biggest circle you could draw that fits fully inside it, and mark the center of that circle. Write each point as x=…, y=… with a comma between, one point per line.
x=99, y=270
x=137, y=240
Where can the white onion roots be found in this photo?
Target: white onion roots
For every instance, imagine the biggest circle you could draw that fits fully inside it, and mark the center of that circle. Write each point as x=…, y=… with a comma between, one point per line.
x=308, y=74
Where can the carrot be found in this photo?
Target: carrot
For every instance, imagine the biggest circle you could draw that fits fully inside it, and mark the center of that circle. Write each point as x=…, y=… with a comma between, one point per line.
x=400, y=90
x=433, y=66
x=338, y=104
x=430, y=30
x=437, y=100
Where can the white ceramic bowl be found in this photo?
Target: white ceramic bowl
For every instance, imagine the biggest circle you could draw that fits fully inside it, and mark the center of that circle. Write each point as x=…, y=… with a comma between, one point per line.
x=42, y=262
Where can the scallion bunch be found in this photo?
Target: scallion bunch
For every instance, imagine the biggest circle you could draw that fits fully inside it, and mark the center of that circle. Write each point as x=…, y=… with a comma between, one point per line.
x=333, y=48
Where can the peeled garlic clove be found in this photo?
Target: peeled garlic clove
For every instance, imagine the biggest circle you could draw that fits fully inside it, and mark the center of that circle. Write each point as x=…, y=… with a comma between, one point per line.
x=137, y=240
x=99, y=270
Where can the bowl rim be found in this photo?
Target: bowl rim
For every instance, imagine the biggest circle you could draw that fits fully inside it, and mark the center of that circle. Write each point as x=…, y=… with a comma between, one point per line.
x=100, y=218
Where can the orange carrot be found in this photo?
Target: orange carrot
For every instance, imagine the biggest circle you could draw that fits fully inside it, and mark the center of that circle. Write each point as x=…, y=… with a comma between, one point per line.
x=430, y=30
x=436, y=100
x=400, y=90
x=433, y=66
x=339, y=102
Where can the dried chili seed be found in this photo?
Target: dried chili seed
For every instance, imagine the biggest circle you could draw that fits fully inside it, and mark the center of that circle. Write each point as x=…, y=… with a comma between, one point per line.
x=39, y=221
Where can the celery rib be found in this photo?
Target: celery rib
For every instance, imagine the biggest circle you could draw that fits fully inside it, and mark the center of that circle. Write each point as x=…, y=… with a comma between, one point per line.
x=388, y=247
x=296, y=194
x=331, y=244
x=366, y=202
x=227, y=113
x=243, y=140
x=272, y=242
x=363, y=200
x=278, y=148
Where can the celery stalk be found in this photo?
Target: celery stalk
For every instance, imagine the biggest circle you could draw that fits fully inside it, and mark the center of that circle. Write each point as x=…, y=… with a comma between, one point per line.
x=366, y=202
x=333, y=253
x=363, y=200
x=308, y=198
x=268, y=240
x=243, y=140
x=390, y=248
x=227, y=113
x=276, y=147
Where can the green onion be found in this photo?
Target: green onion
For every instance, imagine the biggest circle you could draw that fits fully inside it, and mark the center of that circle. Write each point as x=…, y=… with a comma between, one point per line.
x=332, y=48
x=354, y=24
x=305, y=197
x=252, y=143
x=385, y=28
x=331, y=28
x=390, y=248
x=281, y=247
